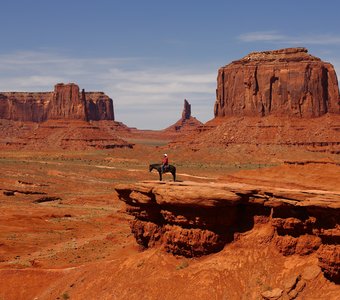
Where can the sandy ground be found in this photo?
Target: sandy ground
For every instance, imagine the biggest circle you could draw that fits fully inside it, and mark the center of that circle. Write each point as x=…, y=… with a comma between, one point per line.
x=64, y=233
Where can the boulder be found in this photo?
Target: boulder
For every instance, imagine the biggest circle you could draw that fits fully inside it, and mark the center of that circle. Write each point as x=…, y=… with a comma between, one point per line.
x=311, y=272
x=272, y=294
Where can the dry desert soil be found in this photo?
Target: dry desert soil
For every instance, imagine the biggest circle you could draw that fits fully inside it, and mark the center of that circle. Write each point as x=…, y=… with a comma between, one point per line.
x=64, y=233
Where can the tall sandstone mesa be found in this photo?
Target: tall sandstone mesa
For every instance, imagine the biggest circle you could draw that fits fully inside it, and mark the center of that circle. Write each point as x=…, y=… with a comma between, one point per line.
x=286, y=82
x=65, y=102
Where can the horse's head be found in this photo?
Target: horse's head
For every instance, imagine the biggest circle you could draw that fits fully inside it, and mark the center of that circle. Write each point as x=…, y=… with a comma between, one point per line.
x=150, y=168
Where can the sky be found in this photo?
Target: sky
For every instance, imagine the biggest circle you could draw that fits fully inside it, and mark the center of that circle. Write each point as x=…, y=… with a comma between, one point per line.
x=148, y=56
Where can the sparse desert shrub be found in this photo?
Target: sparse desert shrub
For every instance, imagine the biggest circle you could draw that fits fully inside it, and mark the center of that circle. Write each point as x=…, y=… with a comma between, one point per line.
x=182, y=265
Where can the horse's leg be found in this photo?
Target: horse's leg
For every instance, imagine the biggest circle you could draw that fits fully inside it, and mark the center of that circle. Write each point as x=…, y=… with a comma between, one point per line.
x=160, y=175
x=174, y=175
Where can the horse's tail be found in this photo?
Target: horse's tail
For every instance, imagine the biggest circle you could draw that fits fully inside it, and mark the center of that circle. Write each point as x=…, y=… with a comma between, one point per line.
x=174, y=172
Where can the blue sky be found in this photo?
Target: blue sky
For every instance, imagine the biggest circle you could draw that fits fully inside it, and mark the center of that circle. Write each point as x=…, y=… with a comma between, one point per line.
x=149, y=56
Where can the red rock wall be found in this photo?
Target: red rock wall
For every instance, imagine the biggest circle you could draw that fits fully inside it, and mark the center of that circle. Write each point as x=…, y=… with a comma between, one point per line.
x=24, y=106
x=287, y=82
x=64, y=103
x=99, y=106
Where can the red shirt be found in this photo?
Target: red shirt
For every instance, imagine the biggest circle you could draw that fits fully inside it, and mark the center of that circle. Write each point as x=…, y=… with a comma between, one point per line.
x=165, y=160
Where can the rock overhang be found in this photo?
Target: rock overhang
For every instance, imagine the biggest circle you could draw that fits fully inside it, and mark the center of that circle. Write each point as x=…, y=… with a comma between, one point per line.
x=193, y=219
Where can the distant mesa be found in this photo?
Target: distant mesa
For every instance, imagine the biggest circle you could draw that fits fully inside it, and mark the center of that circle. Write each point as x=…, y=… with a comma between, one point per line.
x=286, y=82
x=187, y=122
x=66, y=102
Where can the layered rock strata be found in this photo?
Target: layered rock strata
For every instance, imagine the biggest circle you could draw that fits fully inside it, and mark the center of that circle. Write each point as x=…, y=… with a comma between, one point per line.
x=63, y=134
x=286, y=82
x=65, y=103
x=194, y=219
x=317, y=135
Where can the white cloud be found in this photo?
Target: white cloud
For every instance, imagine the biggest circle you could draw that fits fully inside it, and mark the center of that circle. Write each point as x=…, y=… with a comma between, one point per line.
x=261, y=36
x=276, y=37
x=152, y=93
x=316, y=40
x=25, y=83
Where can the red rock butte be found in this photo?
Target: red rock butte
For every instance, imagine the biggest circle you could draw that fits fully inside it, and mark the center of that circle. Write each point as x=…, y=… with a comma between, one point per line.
x=187, y=123
x=285, y=82
x=65, y=102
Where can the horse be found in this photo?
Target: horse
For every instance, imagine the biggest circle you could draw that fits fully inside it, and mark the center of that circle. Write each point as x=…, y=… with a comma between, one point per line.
x=169, y=168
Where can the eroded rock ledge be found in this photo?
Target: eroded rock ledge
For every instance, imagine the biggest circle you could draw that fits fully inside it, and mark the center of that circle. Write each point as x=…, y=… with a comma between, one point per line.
x=195, y=219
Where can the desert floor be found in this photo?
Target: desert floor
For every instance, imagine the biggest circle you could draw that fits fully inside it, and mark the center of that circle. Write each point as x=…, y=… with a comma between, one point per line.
x=64, y=233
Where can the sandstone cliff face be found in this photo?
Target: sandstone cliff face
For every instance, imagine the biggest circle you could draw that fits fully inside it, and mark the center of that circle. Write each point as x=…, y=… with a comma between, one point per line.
x=194, y=219
x=287, y=82
x=25, y=106
x=65, y=102
x=98, y=106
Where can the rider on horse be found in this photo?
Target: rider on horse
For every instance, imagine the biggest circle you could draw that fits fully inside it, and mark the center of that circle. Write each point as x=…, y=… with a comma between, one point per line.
x=165, y=162
x=163, y=168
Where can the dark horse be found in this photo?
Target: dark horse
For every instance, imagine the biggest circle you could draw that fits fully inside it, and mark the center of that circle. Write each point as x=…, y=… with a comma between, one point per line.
x=169, y=168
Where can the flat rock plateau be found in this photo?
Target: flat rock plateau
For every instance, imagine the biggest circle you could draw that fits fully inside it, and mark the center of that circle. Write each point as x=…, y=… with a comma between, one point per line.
x=253, y=213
